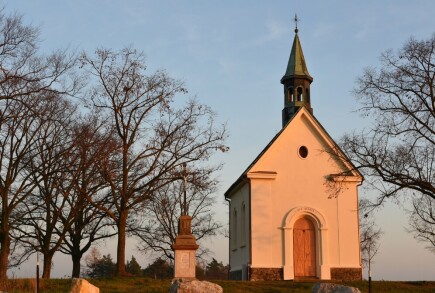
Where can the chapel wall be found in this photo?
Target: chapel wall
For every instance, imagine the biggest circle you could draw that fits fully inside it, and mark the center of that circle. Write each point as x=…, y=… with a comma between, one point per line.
x=302, y=182
x=264, y=236
x=239, y=247
x=349, y=232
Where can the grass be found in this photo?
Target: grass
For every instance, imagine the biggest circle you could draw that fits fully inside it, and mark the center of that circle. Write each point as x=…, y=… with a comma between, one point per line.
x=136, y=285
x=290, y=286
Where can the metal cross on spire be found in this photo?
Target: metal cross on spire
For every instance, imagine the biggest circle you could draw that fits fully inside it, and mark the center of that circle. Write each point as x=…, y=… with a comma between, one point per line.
x=296, y=19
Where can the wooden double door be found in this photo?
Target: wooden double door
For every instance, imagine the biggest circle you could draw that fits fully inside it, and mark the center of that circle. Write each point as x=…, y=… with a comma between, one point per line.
x=304, y=248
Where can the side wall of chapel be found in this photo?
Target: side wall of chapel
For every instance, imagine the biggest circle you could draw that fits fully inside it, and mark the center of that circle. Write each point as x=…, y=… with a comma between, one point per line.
x=239, y=242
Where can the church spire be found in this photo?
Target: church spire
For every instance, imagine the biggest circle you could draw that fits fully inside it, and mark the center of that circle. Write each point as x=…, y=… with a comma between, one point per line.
x=296, y=81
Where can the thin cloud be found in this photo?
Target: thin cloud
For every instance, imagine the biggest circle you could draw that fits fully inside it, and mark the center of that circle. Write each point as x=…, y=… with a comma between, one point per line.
x=226, y=66
x=191, y=33
x=274, y=30
x=365, y=28
x=324, y=30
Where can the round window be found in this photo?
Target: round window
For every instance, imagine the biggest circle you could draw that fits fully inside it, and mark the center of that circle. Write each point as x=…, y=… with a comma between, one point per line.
x=303, y=152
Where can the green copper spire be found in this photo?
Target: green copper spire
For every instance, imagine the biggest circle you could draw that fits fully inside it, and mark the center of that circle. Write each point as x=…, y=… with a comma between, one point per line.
x=296, y=81
x=296, y=64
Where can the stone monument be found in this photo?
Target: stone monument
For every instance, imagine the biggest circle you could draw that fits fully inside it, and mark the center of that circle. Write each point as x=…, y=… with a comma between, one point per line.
x=185, y=256
x=185, y=249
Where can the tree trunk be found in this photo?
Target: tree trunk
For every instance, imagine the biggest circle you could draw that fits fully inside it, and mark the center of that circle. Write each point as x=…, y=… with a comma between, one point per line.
x=76, y=258
x=76, y=254
x=4, y=252
x=120, y=258
x=47, y=266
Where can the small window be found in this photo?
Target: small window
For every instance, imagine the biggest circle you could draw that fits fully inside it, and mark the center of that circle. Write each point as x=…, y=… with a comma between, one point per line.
x=234, y=227
x=303, y=152
x=299, y=97
x=290, y=94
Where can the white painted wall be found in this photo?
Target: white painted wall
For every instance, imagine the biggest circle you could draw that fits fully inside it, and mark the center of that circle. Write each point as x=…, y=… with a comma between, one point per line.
x=299, y=182
x=239, y=247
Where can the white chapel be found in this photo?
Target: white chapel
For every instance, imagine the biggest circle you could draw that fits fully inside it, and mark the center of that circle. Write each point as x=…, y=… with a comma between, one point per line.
x=284, y=222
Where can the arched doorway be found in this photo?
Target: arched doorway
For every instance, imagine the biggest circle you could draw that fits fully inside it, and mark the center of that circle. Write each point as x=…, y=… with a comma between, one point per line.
x=304, y=248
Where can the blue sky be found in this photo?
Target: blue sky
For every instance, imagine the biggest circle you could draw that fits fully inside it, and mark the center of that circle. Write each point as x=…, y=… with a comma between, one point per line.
x=232, y=55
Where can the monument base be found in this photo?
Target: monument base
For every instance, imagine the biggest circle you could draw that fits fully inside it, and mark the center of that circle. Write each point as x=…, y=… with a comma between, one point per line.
x=185, y=264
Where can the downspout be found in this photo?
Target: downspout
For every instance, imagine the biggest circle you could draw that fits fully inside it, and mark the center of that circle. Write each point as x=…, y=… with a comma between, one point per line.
x=357, y=215
x=250, y=233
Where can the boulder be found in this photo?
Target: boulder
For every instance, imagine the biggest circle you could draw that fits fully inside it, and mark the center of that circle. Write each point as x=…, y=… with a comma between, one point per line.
x=82, y=286
x=333, y=288
x=194, y=286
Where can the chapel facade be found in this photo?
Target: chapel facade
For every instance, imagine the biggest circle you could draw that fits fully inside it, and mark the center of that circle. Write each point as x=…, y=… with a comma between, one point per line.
x=294, y=210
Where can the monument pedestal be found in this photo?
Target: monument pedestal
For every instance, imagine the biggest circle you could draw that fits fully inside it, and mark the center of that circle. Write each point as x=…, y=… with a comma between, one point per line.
x=185, y=249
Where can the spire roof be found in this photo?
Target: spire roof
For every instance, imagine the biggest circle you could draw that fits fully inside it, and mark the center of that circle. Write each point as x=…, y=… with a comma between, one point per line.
x=296, y=64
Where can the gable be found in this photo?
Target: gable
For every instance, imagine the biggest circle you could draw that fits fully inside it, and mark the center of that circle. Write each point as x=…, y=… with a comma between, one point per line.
x=282, y=155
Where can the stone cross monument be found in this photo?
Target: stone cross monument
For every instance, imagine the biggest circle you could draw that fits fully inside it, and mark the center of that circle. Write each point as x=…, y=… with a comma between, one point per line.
x=185, y=249
x=185, y=243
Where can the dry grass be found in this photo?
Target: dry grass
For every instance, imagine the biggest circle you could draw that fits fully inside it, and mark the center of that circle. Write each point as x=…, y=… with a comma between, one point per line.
x=136, y=285
x=290, y=286
x=29, y=285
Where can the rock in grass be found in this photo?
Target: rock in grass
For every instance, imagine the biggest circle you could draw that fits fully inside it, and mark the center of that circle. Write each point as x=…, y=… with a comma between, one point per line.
x=333, y=288
x=194, y=286
x=82, y=286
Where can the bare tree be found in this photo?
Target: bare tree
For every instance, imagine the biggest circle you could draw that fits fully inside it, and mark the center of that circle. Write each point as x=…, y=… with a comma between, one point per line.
x=26, y=77
x=23, y=71
x=41, y=228
x=160, y=215
x=396, y=154
x=370, y=234
x=422, y=221
x=18, y=139
x=92, y=144
x=155, y=139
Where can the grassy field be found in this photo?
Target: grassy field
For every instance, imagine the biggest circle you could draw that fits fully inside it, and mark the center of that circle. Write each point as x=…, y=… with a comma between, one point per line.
x=136, y=285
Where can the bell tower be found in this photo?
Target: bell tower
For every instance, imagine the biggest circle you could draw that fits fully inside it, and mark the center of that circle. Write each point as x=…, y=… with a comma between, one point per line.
x=296, y=81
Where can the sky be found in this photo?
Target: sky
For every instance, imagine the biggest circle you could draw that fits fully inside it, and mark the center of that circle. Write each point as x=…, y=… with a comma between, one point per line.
x=231, y=56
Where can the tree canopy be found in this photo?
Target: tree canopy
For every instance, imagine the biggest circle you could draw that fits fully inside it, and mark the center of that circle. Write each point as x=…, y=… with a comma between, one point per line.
x=91, y=145
x=396, y=154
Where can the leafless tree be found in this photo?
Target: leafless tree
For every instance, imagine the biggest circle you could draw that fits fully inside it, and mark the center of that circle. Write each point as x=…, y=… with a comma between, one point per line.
x=92, y=144
x=160, y=215
x=23, y=71
x=40, y=227
x=370, y=234
x=155, y=138
x=396, y=154
x=26, y=78
x=422, y=221
x=19, y=129
x=65, y=168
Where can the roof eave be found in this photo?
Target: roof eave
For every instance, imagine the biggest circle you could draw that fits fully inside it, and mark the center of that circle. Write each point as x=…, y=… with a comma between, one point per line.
x=287, y=77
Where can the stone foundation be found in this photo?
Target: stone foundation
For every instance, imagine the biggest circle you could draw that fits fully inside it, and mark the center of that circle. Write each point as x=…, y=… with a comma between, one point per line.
x=265, y=274
x=346, y=274
x=236, y=275
x=275, y=274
